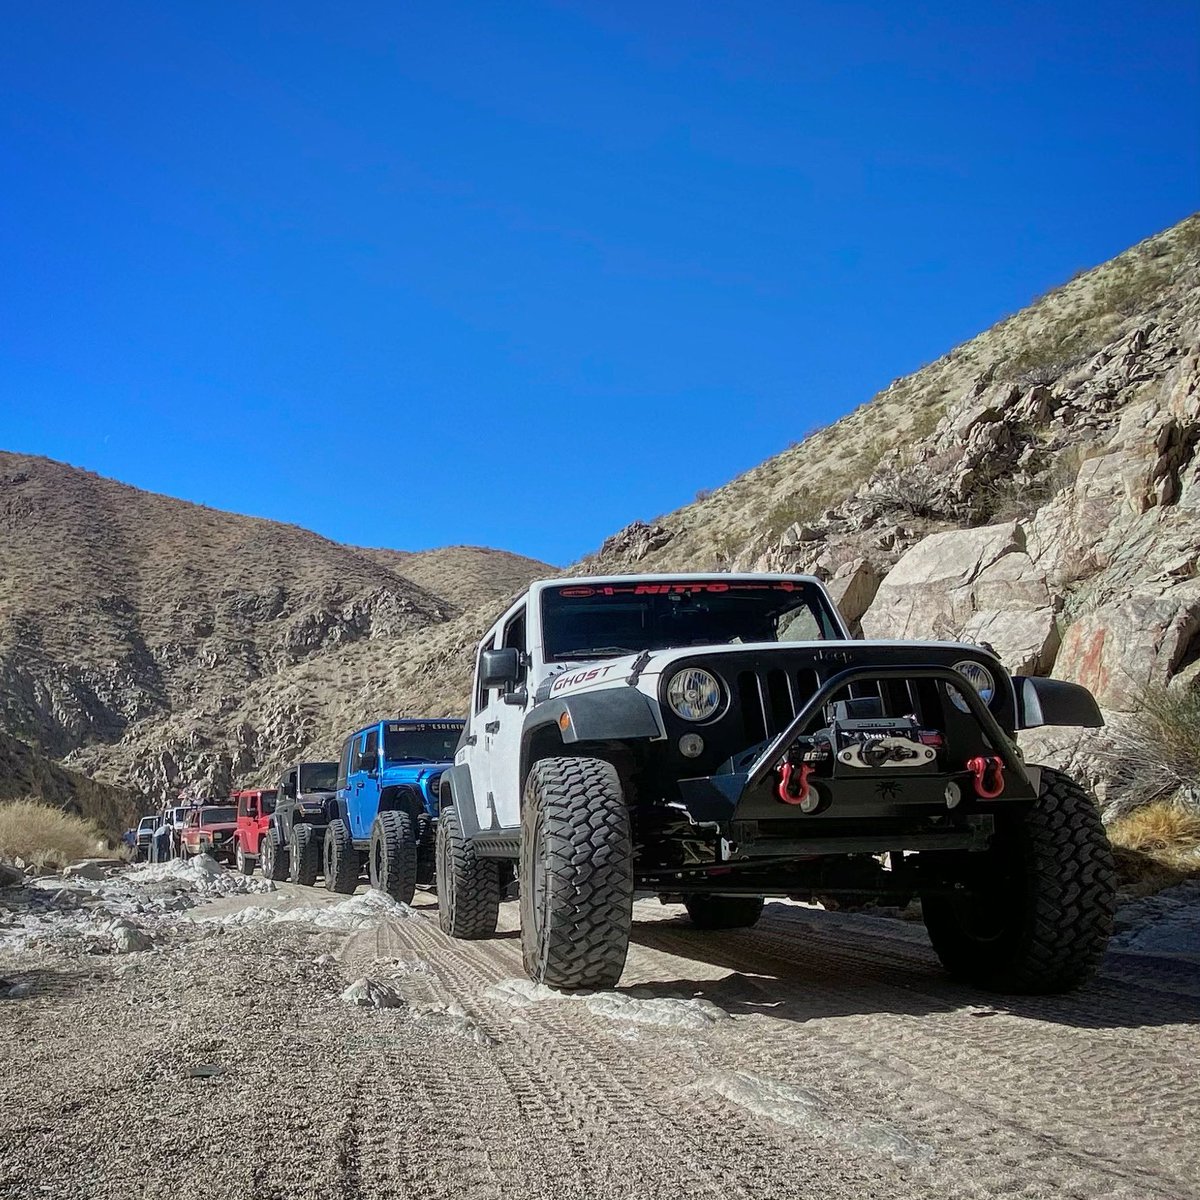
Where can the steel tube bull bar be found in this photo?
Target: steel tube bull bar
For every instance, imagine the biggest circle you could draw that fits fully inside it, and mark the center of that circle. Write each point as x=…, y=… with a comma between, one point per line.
x=783, y=742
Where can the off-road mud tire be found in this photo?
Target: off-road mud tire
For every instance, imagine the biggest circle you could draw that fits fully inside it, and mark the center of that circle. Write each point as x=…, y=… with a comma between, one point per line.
x=304, y=855
x=244, y=862
x=426, y=851
x=393, y=855
x=576, y=872
x=341, y=859
x=723, y=912
x=273, y=856
x=1042, y=909
x=468, y=887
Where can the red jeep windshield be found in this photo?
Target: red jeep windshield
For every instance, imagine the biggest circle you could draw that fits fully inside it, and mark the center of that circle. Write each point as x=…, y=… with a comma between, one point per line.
x=582, y=621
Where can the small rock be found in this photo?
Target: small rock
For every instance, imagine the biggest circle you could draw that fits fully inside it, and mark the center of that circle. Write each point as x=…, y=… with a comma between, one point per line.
x=128, y=938
x=205, y=1071
x=92, y=869
x=18, y=991
x=370, y=993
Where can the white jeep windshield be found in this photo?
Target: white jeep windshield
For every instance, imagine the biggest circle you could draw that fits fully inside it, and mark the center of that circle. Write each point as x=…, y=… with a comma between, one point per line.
x=602, y=620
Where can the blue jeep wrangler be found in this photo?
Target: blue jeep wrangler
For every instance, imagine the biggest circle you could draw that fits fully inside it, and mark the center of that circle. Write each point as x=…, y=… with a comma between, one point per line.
x=389, y=775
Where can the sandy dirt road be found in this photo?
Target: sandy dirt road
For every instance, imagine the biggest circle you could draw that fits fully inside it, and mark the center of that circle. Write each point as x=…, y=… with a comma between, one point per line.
x=816, y=1056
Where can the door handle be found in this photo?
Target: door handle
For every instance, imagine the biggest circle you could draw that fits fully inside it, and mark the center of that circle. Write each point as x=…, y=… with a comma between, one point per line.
x=492, y=727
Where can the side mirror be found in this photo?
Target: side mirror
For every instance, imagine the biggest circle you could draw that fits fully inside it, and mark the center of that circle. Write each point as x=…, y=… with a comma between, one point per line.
x=500, y=668
x=369, y=762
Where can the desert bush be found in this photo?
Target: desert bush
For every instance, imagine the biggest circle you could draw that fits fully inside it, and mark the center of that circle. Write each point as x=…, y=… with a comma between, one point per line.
x=1158, y=759
x=44, y=836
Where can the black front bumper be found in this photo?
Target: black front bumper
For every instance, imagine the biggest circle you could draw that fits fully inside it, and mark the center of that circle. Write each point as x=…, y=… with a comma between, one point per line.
x=888, y=808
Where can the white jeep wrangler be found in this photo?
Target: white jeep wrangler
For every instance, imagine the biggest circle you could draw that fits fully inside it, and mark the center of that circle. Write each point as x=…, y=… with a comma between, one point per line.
x=721, y=738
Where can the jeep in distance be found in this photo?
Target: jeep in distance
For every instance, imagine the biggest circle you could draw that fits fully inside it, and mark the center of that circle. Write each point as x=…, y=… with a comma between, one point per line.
x=721, y=738
x=254, y=808
x=209, y=829
x=305, y=801
x=389, y=781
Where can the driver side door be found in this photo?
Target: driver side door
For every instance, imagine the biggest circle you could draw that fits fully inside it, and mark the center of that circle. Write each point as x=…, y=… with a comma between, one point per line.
x=364, y=783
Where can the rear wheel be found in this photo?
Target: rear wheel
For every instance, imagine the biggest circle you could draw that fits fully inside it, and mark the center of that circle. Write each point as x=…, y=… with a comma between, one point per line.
x=1036, y=910
x=273, y=852
x=723, y=912
x=341, y=859
x=468, y=887
x=244, y=863
x=576, y=872
x=393, y=855
x=304, y=855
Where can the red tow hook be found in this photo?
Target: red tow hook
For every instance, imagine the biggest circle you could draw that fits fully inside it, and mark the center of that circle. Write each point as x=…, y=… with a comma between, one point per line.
x=784, y=791
x=989, y=776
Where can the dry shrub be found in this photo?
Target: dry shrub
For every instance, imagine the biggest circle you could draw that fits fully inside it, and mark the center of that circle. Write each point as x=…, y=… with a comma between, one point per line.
x=1160, y=826
x=44, y=836
x=1159, y=759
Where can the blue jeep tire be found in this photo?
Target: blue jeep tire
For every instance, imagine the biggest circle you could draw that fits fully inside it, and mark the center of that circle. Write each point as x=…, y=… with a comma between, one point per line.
x=393, y=855
x=341, y=859
x=304, y=855
x=468, y=887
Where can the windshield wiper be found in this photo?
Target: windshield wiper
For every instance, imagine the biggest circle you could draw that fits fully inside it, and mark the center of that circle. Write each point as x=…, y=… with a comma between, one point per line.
x=591, y=651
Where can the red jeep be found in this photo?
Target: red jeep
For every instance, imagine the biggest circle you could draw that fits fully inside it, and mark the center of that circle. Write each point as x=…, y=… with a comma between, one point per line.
x=209, y=829
x=254, y=809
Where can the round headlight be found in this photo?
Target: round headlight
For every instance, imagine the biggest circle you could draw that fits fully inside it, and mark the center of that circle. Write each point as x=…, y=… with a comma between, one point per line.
x=694, y=694
x=979, y=677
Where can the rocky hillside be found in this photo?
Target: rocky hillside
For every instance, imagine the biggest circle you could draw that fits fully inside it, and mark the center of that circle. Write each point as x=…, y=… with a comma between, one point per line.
x=155, y=643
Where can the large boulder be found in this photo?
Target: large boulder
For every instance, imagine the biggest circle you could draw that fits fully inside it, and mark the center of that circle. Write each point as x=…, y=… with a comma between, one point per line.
x=975, y=585
x=1026, y=641
x=930, y=592
x=1121, y=649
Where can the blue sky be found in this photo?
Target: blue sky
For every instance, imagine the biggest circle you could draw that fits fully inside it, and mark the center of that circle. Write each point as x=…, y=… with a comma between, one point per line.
x=518, y=274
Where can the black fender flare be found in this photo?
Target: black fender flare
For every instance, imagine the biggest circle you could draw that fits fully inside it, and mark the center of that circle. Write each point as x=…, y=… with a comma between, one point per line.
x=457, y=793
x=402, y=797
x=610, y=715
x=1043, y=702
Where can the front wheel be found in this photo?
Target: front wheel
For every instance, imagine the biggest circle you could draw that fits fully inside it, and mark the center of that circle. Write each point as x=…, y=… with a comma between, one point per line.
x=1036, y=909
x=304, y=855
x=274, y=856
x=576, y=872
x=341, y=859
x=242, y=860
x=723, y=912
x=468, y=886
x=393, y=855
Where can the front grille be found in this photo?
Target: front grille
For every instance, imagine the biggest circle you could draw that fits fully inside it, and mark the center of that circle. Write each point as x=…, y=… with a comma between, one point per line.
x=769, y=699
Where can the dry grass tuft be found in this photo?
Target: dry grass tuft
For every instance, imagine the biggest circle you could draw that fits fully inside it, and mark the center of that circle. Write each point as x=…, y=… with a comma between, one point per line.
x=44, y=836
x=1156, y=847
x=1158, y=826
